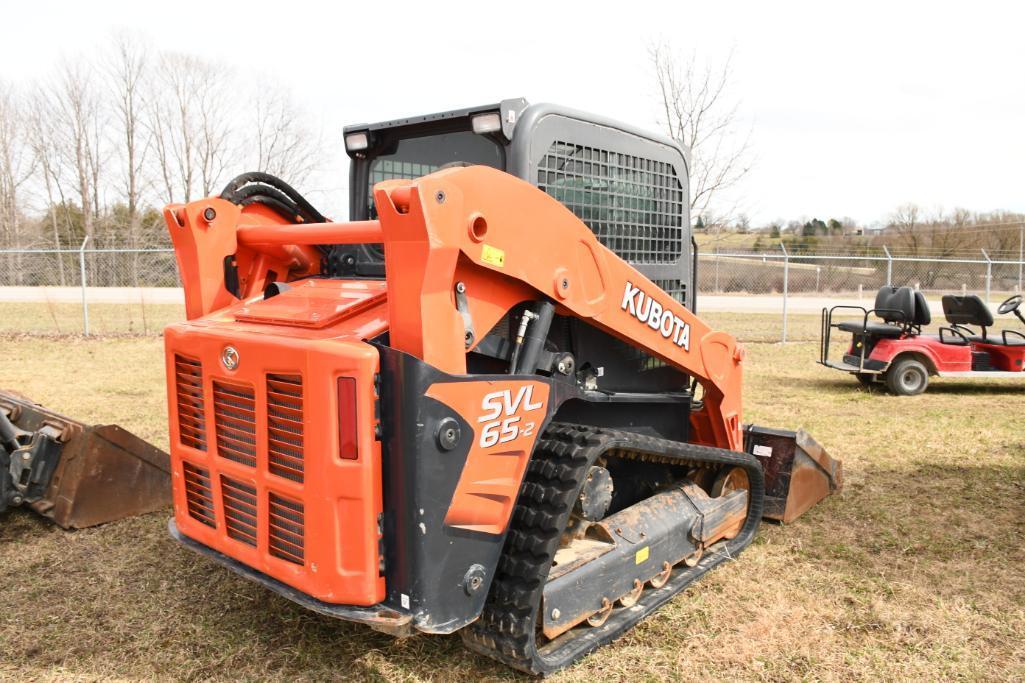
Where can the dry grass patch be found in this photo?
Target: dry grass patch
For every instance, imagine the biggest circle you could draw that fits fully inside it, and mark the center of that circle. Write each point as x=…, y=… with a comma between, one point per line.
x=917, y=571
x=43, y=318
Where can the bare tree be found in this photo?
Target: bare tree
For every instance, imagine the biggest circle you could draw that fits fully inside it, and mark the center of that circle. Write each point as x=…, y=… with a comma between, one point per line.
x=127, y=69
x=15, y=169
x=282, y=143
x=190, y=120
x=43, y=137
x=905, y=222
x=79, y=119
x=697, y=112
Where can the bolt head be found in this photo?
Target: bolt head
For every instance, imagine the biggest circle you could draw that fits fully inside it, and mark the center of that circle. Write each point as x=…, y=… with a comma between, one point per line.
x=448, y=434
x=16, y=500
x=440, y=197
x=556, y=613
x=209, y=214
x=26, y=456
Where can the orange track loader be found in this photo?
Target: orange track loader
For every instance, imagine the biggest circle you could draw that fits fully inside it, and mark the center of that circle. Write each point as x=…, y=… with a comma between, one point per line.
x=470, y=409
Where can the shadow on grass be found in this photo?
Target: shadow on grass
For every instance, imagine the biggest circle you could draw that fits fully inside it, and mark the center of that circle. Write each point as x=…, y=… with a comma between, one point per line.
x=997, y=387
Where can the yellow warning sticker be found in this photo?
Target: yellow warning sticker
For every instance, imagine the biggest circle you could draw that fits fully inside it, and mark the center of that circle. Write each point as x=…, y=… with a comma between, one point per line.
x=493, y=255
x=642, y=555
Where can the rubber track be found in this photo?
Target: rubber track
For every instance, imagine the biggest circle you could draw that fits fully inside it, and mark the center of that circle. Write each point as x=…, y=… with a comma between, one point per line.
x=507, y=627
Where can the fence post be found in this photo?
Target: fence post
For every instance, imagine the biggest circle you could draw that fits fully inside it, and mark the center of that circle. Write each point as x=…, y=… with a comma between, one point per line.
x=786, y=288
x=889, y=267
x=85, y=306
x=989, y=274
x=1021, y=254
x=716, y=290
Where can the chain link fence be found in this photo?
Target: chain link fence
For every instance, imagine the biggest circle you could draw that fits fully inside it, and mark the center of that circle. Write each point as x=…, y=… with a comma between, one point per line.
x=93, y=267
x=818, y=275
x=795, y=287
x=760, y=296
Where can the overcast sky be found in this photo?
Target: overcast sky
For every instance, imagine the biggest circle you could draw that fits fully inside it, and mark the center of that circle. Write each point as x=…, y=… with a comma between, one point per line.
x=852, y=111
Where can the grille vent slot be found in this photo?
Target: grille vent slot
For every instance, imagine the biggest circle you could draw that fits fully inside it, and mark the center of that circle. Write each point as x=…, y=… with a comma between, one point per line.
x=239, y=501
x=286, y=529
x=285, y=426
x=199, y=498
x=235, y=420
x=188, y=381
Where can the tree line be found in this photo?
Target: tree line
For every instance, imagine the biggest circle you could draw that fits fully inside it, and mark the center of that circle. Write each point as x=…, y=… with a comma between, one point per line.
x=103, y=141
x=909, y=230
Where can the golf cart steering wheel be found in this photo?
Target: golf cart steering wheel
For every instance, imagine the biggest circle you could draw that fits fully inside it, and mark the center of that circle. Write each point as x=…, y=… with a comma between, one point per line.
x=1010, y=306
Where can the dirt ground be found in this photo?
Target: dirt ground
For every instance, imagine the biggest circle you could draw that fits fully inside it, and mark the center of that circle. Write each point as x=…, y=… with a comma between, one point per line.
x=916, y=571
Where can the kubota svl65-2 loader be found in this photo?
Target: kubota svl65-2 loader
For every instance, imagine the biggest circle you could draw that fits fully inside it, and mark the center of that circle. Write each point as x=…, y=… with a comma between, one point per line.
x=472, y=408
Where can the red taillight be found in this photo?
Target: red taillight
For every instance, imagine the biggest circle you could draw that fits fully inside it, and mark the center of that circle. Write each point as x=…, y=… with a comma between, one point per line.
x=347, y=418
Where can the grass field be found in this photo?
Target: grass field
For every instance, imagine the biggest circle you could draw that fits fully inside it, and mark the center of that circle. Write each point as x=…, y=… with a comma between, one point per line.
x=916, y=571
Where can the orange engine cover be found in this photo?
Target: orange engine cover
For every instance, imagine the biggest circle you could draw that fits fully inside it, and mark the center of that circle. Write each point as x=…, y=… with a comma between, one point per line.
x=264, y=469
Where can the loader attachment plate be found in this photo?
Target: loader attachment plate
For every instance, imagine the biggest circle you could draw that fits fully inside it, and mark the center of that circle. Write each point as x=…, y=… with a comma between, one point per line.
x=75, y=474
x=798, y=471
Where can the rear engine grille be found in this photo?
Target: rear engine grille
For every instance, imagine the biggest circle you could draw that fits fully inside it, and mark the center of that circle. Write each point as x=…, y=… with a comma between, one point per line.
x=239, y=501
x=188, y=381
x=235, y=422
x=285, y=426
x=199, y=498
x=287, y=529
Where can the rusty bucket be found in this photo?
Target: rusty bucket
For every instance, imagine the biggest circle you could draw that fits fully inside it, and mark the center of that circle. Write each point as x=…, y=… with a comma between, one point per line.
x=75, y=474
x=798, y=471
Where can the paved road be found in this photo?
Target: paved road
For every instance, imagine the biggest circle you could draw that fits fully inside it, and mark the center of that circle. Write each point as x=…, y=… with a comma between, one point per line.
x=713, y=303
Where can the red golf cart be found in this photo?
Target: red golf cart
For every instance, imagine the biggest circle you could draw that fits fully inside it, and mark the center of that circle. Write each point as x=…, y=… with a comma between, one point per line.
x=887, y=344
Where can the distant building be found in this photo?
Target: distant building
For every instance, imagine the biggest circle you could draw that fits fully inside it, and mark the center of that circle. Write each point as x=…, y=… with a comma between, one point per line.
x=862, y=231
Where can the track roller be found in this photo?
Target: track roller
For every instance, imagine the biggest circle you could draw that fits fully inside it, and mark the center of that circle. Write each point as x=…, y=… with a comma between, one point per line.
x=578, y=613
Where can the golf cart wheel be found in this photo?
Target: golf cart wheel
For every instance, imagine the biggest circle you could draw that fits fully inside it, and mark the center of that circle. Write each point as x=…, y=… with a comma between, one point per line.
x=907, y=377
x=864, y=378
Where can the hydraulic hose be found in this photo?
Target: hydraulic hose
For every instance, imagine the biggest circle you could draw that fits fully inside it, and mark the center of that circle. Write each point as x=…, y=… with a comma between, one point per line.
x=257, y=187
x=232, y=190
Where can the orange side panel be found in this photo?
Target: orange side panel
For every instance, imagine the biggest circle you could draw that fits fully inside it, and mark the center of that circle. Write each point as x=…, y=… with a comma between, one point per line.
x=506, y=417
x=255, y=451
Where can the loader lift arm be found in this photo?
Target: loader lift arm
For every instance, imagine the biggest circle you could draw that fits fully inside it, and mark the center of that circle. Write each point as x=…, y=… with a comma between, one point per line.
x=498, y=239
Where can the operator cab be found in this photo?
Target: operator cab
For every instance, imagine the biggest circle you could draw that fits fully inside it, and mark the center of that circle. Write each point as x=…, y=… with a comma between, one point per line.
x=629, y=186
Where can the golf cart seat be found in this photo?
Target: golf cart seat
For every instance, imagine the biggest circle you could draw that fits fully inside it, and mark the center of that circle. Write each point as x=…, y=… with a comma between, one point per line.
x=966, y=310
x=997, y=341
x=877, y=329
x=971, y=310
x=900, y=308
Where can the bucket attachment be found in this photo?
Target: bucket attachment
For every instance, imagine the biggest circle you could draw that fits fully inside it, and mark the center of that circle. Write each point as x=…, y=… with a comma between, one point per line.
x=798, y=471
x=76, y=475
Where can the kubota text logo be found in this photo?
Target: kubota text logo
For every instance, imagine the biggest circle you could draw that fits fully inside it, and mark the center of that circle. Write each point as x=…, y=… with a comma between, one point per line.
x=501, y=423
x=654, y=315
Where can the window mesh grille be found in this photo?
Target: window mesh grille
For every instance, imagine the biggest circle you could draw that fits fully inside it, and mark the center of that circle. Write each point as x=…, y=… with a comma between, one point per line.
x=635, y=206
